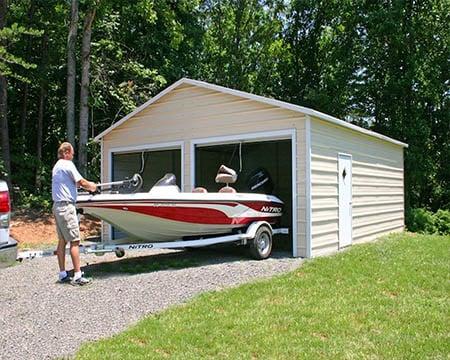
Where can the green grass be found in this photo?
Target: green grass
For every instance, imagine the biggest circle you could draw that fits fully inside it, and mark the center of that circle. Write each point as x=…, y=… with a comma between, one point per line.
x=384, y=300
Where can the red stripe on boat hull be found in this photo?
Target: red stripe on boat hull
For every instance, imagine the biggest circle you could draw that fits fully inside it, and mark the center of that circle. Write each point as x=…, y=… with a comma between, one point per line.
x=194, y=215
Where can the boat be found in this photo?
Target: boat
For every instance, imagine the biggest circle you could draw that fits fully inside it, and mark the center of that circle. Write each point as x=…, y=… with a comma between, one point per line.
x=167, y=214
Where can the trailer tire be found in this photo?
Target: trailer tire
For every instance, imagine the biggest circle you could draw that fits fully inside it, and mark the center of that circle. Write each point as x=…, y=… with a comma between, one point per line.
x=261, y=245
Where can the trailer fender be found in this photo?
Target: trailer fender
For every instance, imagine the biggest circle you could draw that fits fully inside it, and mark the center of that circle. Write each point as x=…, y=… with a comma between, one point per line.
x=253, y=228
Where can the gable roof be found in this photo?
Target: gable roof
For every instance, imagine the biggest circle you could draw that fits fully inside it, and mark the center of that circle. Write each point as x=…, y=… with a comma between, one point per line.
x=262, y=99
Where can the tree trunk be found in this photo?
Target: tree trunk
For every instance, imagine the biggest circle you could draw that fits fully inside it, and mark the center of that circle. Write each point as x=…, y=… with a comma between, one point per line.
x=6, y=155
x=42, y=96
x=24, y=111
x=71, y=73
x=4, y=127
x=84, y=94
x=23, y=114
x=236, y=56
x=40, y=127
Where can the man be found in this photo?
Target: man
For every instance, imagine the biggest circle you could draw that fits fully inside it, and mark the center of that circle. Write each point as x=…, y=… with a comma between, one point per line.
x=65, y=180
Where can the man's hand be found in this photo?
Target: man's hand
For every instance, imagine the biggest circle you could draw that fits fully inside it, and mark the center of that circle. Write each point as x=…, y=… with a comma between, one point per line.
x=88, y=185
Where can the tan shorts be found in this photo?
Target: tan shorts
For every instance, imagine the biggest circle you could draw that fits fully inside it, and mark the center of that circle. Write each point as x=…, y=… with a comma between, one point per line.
x=66, y=222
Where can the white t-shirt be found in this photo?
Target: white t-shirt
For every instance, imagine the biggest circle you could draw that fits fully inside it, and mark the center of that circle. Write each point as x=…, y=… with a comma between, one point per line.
x=64, y=181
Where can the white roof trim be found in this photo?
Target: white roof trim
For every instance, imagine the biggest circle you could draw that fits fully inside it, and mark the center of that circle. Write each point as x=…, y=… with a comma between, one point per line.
x=258, y=98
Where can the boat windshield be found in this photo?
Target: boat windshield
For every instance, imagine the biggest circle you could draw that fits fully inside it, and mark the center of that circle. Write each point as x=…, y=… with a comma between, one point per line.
x=167, y=180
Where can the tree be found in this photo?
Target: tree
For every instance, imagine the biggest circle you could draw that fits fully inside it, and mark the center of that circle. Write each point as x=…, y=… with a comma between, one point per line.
x=4, y=101
x=242, y=43
x=71, y=72
x=84, y=94
x=8, y=35
x=42, y=98
x=31, y=160
x=322, y=49
x=137, y=49
x=25, y=92
x=405, y=89
x=383, y=65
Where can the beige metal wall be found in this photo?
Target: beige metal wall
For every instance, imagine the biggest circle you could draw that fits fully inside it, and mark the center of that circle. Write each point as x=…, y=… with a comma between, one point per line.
x=378, y=193
x=191, y=112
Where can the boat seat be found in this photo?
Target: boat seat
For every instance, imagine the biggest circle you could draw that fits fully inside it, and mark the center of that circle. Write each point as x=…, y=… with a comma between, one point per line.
x=227, y=189
x=199, y=189
x=225, y=175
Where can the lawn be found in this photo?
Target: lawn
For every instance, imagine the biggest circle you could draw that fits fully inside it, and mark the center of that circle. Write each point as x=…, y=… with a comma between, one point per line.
x=388, y=299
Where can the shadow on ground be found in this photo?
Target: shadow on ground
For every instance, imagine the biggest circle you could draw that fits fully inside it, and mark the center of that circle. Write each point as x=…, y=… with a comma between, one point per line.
x=174, y=260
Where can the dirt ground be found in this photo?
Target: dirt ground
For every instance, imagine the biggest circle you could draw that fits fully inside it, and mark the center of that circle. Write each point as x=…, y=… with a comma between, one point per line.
x=35, y=229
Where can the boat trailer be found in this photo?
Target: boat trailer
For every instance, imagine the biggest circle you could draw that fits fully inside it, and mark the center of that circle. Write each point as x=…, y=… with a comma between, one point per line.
x=258, y=236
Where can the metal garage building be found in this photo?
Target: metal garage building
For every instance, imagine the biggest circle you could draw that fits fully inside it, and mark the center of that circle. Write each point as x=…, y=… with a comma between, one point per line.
x=341, y=184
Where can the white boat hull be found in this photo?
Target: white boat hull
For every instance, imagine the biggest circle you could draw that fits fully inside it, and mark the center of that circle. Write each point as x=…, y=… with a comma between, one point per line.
x=156, y=229
x=155, y=218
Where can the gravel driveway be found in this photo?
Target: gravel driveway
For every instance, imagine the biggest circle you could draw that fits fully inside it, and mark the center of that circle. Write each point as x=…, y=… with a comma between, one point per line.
x=41, y=319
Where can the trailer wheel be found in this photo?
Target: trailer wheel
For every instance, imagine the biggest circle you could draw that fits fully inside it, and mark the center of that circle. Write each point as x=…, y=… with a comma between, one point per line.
x=120, y=252
x=261, y=244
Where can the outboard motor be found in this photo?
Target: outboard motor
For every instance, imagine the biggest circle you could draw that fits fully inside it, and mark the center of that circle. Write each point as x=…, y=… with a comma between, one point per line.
x=259, y=181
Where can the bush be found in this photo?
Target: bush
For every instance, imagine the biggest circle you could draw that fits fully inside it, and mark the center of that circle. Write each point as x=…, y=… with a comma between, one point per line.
x=425, y=222
x=42, y=202
x=442, y=222
x=420, y=220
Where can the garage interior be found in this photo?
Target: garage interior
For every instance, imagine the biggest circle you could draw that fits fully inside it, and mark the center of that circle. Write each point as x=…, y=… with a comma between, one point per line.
x=246, y=158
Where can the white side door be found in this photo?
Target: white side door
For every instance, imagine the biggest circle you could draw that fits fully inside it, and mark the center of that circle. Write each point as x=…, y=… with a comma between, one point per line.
x=345, y=200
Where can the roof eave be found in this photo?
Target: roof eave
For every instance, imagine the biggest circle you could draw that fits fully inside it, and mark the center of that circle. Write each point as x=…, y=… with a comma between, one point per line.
x=258, y=98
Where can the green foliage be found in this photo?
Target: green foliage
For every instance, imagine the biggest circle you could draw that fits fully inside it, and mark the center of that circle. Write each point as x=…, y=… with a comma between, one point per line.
x=94, y=163
x=322, y=55
x=382, y=65
x=2, y=169
x=8, y=36
x=426, y=222
x=404, y=72
x=30, y=168
x=137, y=49
x=242, y=44
x=420, y=220
x=442, y=222
x=29, y=200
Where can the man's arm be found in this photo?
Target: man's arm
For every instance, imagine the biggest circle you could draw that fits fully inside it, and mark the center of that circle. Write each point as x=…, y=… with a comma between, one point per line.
x=88, y=185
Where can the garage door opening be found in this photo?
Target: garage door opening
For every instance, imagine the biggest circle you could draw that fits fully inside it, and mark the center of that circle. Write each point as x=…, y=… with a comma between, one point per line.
x=151, y=164
x=245, y=158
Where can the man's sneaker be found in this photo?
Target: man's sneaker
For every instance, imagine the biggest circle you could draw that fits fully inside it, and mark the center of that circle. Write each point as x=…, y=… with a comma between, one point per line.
x=81, y=281
x=65, y=280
